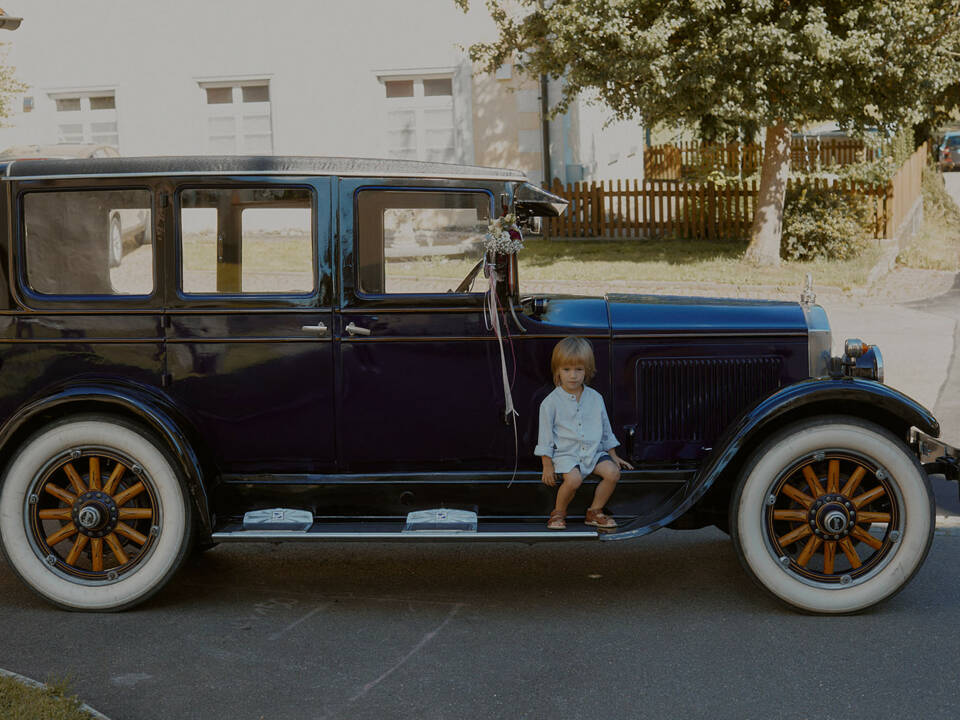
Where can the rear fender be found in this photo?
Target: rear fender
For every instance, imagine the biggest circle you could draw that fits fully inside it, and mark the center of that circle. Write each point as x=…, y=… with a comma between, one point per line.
x=858, y=397
x=136, y=402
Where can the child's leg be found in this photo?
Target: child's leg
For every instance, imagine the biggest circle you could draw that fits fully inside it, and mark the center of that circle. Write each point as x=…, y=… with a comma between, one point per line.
x=610, y=473
x=571, y=481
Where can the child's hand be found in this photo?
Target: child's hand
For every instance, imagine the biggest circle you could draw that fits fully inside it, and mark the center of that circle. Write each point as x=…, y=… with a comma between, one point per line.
x=549, y=477
x=621, y=463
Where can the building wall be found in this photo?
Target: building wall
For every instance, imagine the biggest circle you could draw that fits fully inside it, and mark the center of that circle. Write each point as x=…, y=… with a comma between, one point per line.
x=321, y=60
x=327, y=64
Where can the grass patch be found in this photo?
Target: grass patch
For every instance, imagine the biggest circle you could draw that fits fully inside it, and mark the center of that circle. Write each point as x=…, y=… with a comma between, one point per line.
x=937, y=245
x=53, y=702
x=597, y=262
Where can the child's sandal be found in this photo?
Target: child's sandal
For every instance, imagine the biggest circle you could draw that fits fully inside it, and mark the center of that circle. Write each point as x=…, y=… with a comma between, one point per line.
x=558, y=521
x=598, y=519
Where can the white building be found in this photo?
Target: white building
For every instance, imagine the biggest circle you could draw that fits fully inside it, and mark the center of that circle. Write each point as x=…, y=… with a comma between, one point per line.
x=368, y=78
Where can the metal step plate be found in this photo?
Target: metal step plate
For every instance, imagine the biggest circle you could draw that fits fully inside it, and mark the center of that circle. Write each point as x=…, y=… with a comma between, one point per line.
x=441, y=520
x=283, y=519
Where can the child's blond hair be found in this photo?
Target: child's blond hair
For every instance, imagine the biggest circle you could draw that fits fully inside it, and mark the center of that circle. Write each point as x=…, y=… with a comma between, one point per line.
x=573, y=350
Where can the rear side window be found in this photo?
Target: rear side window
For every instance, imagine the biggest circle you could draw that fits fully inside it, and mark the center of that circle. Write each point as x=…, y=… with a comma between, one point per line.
x=89, y=242
x=247, y=240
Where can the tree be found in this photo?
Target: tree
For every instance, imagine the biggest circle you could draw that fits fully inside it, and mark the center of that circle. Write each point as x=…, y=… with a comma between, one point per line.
x=778, y=64
x=10, y=87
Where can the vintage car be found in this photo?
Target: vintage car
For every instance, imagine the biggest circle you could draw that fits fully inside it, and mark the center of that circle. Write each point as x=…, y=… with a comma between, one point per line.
x=289, y=360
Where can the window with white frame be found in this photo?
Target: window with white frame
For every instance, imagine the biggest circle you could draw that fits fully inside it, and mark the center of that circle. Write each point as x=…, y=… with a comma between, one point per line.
x=238, y=117
x=88, y=116
x=420, y=119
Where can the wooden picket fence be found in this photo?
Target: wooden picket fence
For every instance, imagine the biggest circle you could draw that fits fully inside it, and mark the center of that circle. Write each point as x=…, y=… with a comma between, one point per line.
x=705, y=211
x=904, y=190
x=683, y=160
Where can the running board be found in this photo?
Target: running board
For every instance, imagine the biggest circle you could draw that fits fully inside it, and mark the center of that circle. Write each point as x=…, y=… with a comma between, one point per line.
x=433, y=525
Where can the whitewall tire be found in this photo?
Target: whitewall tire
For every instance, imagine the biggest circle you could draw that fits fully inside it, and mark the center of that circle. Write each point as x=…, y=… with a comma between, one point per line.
x=93, y=514
x=832, y=515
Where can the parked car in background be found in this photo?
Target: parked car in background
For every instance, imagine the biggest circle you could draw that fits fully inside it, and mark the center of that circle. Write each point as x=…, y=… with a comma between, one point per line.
x=289, y=360
x=948, y=156
x=59, y=151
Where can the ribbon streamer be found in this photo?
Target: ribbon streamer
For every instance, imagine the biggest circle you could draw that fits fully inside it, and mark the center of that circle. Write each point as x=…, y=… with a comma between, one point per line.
x=492, y=319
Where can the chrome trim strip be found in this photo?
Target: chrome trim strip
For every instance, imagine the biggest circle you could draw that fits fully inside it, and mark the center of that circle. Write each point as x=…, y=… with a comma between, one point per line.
x=266, y=173
x=728, y=333
x=39, y=312
x=459, y=338
x=261, y=339
x=158, y=340
x=248, y=311
x=457, y=536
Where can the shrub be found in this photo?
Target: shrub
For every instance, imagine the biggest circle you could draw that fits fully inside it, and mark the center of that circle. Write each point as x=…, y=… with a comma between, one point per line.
x=823, y=224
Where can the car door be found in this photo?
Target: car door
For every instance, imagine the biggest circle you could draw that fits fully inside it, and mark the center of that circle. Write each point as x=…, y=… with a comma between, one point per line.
x=420, y=387
x=249, y=349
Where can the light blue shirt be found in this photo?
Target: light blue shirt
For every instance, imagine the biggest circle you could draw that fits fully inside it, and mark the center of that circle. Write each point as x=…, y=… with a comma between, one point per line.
x=574, y=432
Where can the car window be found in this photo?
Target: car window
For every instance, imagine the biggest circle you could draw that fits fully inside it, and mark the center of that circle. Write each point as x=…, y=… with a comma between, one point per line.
x=89, y=242
x=247, y=240
x=953, y=141
x=419, y=241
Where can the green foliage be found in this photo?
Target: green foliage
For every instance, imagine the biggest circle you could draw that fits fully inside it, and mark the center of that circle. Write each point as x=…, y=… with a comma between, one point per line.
x=824, y=224
x=739, y=63
x=9, y=85
x=893, y=154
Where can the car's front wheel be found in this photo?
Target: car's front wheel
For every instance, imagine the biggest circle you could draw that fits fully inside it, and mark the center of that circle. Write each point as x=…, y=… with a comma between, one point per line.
x=93, y=514
x=832, y=515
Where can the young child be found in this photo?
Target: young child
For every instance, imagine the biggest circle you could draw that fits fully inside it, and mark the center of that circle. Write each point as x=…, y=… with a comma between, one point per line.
x=575, y=437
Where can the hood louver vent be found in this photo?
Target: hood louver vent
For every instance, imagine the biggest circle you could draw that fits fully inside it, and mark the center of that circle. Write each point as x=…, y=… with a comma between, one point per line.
x=694, y=399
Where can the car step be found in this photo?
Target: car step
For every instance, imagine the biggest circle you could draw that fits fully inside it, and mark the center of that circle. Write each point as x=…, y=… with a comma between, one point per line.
x=292, y=525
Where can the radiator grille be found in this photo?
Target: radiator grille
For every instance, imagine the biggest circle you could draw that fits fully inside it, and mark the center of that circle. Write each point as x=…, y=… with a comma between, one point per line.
x=695, y=399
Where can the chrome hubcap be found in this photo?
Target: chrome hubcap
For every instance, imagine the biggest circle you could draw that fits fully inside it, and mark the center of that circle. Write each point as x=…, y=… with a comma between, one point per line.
x=89, y=517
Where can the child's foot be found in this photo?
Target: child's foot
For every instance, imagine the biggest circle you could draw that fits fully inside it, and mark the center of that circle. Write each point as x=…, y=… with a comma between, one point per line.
x=558, y=520
x=599, y=520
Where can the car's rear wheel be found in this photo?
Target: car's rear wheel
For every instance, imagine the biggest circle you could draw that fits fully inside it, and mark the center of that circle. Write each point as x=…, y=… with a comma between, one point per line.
x=94, y=515
x=832, y=515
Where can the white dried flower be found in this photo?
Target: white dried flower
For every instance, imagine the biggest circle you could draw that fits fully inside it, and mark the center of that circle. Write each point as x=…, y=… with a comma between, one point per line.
x=498, y=236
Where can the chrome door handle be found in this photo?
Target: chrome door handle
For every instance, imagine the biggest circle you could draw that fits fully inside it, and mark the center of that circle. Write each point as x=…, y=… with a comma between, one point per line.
x=319, y=328
x=356, y=330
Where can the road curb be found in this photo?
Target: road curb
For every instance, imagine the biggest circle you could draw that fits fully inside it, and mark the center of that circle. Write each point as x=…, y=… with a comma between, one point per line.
x=37, y=684
x=886, y=263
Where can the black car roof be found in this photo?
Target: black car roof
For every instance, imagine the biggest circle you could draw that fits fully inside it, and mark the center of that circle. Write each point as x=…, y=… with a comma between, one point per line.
x=250, y=165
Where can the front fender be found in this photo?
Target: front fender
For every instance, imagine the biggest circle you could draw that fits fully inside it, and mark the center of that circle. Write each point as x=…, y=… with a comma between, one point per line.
x=836, y=396
x=148, y=407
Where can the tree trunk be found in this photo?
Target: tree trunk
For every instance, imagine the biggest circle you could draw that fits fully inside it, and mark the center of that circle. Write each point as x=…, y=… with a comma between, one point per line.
x=766, y=233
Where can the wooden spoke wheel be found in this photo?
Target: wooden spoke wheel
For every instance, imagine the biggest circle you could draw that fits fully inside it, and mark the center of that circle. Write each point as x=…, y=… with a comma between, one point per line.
x=832, y=515
x=94, y=514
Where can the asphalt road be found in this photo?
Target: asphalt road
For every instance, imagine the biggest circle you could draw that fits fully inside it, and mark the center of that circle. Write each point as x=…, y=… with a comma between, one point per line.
x=662, y=628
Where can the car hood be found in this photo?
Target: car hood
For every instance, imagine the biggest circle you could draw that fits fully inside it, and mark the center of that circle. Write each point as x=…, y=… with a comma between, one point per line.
x=666, y=315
